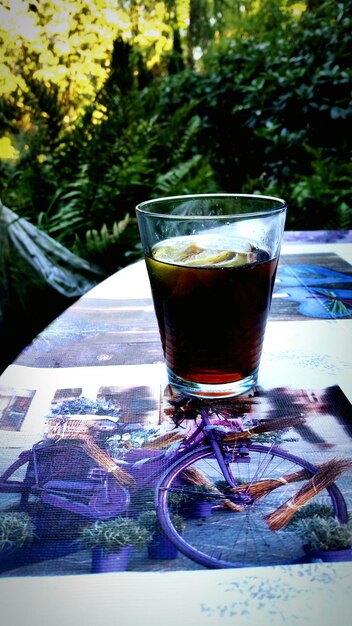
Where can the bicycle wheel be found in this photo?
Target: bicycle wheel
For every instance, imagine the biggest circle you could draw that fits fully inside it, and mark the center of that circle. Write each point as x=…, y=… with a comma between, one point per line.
x=242, y=538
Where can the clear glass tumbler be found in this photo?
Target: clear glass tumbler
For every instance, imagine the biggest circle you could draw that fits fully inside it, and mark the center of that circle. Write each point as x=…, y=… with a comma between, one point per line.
x=212, y=261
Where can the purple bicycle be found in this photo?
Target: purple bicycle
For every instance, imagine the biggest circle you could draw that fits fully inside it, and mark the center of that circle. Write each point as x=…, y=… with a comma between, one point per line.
x=254, y=489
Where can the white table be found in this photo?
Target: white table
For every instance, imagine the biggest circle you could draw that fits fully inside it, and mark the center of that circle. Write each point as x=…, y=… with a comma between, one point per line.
x=109, y=340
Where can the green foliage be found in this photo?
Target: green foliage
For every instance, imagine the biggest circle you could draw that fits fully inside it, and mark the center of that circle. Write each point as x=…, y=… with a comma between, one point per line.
x=149, y=520
x=142, y=500
x=312, y=509
x=324, y=533
x=198, y=493
x=326, y=191
x=103, y=246
x=16, y=529
x=267, y=113
x=284, y=108
x=114, y=534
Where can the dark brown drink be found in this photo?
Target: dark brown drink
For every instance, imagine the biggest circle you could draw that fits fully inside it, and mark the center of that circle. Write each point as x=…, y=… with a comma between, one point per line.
x=212, y=305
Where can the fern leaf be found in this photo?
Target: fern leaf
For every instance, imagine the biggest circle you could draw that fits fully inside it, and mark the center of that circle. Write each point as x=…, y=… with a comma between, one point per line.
x=169, y=182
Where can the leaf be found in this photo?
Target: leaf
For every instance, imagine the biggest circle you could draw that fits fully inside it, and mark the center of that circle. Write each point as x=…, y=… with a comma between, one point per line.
x=167, y=183
x=339, y=113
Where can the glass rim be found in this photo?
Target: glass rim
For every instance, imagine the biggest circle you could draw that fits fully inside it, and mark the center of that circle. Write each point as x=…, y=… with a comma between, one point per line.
x=142, y=206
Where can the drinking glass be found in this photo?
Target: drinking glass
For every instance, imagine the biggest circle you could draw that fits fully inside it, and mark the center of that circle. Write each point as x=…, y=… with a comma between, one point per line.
x=212, y=260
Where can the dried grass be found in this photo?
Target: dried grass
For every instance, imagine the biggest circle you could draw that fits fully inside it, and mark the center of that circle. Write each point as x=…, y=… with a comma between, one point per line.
x=327, y=473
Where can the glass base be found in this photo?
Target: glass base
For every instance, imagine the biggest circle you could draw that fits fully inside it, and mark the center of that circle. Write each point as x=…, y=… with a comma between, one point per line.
x=202, y=390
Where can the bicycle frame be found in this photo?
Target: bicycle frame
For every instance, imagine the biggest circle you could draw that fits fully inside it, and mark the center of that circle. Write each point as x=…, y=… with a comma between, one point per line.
x=146, y=470
x=63, y=475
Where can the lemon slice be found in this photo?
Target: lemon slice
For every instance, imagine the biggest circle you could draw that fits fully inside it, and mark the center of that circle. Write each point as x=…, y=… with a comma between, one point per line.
x=227, y=258
x=179, y=252
x=202, y=252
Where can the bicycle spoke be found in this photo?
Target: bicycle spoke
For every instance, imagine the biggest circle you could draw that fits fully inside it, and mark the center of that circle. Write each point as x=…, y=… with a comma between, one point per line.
x=240, y=538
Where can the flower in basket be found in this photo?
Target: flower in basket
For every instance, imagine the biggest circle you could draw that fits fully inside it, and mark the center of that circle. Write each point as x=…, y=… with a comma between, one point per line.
x=86, y=406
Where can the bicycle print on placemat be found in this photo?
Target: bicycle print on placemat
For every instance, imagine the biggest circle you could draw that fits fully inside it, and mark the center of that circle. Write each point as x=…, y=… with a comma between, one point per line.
x=255, y=461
